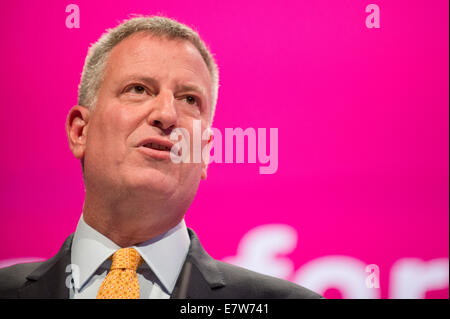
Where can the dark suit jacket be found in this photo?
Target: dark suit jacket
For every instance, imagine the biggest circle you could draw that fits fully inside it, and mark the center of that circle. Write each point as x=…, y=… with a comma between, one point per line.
x=208, y=278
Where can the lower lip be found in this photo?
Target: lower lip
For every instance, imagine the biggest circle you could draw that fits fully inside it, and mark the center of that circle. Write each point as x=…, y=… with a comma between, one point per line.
x=157, y=154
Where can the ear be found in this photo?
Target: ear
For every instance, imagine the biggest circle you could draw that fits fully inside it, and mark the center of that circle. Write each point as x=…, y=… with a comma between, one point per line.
x=76, y=130
x=208, y=136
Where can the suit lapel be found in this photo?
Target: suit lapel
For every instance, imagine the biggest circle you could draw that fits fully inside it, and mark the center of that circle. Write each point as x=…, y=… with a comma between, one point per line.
x=48, y=281
x=200, y=273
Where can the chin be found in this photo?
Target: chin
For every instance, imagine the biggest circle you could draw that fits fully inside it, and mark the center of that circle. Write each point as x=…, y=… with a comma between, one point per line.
x=154, y=181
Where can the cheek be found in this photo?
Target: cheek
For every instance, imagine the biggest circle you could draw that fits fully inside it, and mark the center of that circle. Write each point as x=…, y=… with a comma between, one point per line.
x=191, y=175
x=194, y=126
x=111, y=129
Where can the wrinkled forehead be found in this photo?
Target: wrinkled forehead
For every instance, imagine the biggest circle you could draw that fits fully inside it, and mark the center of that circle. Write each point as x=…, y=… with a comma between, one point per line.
x=158, y=57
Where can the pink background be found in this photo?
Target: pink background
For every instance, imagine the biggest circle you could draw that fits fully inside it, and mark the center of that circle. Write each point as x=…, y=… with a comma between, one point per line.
x=362, y=116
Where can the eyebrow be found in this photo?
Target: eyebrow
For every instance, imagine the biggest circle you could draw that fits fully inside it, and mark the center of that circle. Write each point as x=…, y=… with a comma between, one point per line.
x=146, y=79
x=178, y=87
x=191, y=87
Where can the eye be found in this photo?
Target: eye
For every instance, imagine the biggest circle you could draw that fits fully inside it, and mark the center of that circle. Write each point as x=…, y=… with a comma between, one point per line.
x=136, y=89
x=190, y=99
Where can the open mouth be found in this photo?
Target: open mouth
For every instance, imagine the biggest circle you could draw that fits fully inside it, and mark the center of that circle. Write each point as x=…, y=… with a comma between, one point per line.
x=157, y=146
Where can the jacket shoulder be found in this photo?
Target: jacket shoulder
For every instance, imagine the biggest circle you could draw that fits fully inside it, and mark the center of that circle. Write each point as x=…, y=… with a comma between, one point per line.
x=244, y=283
x=14, y=277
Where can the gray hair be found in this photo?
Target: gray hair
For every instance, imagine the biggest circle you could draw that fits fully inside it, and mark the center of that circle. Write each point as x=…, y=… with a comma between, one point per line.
x=94, y=66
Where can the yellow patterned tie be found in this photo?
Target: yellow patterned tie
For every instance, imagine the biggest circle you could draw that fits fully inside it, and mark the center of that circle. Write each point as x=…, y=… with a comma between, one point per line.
x=121, y=281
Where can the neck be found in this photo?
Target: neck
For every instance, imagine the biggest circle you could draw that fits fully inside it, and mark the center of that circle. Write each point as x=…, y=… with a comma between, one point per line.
x=128, y=223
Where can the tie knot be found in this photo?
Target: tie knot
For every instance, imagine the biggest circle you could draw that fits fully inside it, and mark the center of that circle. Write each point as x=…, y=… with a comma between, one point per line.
x=126, y=258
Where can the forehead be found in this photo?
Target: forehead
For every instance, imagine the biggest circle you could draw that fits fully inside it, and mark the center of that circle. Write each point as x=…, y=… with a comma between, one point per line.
x=161, y=58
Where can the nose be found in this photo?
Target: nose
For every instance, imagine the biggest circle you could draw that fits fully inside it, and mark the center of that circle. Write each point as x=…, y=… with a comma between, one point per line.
x=163, y=112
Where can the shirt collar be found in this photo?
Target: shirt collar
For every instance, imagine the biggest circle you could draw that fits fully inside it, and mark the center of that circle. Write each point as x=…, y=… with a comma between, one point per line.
x=164, y=254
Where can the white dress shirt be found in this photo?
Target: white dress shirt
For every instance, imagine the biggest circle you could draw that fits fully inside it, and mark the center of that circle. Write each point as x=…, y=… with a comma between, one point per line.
x=163, y=256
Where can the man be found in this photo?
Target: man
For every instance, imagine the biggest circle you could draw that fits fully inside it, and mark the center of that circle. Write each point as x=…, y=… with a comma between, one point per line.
x=141, y=81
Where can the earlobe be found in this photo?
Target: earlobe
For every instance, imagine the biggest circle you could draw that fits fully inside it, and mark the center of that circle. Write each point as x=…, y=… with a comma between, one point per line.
x=205, y=160
x=208, y=135
x=204, y=171
x=76, y=129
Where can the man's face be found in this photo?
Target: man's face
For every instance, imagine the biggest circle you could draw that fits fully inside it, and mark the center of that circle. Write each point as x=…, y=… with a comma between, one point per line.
x=151, y=86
